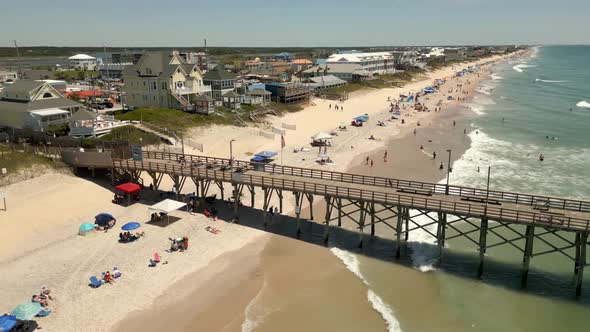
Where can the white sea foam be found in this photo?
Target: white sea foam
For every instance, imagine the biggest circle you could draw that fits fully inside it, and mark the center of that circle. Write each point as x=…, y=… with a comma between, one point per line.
x=477, y=109
x=352, y=263
x=496, y=77
x=520, y=68
x=549, y=81
x=385, y=311
x=485, y=92
x=583, y=104
x=254, y=313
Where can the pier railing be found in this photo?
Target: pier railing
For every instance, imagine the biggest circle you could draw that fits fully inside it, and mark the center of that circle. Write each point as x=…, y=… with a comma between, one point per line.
x=542, y=202
x=430, y=203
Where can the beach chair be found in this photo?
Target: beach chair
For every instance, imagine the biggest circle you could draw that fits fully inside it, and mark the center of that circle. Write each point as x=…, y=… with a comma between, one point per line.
x=116, y=272
x=94, y=282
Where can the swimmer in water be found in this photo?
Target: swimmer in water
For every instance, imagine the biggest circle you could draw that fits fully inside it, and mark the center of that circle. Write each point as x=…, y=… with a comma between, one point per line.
x=541, y=157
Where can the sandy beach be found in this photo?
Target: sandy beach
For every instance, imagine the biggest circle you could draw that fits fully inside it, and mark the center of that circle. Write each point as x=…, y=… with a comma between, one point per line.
x=218, y=284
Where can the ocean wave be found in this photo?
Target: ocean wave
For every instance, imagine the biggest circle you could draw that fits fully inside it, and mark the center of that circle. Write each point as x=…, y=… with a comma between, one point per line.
x=254, y=315
x=352, y=263
x=496, y=77
x=477, y=109
x=520, y=68
x=483, y=91
x=549, y=81
x=583, y=104
x=385, y=311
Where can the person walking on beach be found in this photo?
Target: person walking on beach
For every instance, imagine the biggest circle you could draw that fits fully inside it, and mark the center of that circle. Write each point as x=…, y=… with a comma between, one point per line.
x=330, y=106
x=371, y=162
x=441, y=167
x=454, y=123
x=414, y=131
x=434, y=155
x=367, y=161
x=385, y=156
x=464, y=131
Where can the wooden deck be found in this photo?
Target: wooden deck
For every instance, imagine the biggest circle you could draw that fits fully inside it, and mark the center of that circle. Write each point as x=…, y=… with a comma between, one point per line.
x=508, y=207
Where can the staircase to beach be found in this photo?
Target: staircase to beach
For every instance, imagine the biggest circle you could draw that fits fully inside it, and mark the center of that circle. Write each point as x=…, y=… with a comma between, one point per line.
x=164, y=134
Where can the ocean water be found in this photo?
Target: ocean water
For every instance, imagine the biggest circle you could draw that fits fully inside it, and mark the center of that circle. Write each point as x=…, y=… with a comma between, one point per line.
x=532, y=105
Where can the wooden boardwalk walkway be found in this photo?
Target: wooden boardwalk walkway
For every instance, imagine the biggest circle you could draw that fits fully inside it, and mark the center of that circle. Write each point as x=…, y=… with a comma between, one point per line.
x=394, y=202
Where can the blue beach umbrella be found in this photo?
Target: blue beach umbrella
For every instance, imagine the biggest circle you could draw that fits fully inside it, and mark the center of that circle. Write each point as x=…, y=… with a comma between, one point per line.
x=103, y=218
x=131, y=226
x=27, y=311
x=7, y=322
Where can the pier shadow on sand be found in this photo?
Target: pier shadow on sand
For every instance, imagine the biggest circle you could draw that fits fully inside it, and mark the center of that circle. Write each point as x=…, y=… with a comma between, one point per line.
x=463, y=264
x=559, y=286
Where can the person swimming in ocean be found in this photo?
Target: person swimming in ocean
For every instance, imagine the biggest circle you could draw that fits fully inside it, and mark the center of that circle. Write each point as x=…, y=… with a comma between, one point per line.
x=541, y=157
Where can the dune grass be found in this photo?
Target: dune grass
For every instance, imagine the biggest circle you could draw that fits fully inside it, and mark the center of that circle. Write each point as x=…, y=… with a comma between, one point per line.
x=174, y=119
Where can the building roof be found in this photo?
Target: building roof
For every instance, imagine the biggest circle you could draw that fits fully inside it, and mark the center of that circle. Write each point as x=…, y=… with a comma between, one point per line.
x=49, y=112
x=83, y=114
x=206, y=98
x=37, y=104
x=218, y=74
x=327, y=80
x=22, y=87
x=301, y=62
x=258, y=92
x=358, y=57
x=159, y=64
x=81, y=57
x=231, y=94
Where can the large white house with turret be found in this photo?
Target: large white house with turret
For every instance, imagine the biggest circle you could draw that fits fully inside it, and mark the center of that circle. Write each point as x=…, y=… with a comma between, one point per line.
x=163, y=80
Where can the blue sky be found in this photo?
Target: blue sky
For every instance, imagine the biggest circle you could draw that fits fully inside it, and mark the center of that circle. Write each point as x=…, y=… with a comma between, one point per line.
x=293, y=23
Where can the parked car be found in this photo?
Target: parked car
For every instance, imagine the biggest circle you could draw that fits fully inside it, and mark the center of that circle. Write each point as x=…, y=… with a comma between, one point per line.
x=97, y=106
x=107, y=104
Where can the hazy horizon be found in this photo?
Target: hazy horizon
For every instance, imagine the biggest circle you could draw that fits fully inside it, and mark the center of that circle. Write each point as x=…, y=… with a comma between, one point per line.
x=306, y=23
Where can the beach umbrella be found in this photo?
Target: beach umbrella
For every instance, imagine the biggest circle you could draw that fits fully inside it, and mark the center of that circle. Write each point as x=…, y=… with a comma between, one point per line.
x=85, y=228
x=103, y=218
x=131, y=226
x=27, y=311
x=7, y=322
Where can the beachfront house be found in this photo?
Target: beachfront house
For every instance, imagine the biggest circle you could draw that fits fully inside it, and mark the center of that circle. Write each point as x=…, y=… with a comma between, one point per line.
x=455, y=54
x=85, y=123
x=34, y=105
x=257, y=97
x=82, y=62
x=323, y=82
x=204, y=104
x=220, y=82
x=355, y=66
x=288, y=93
x=163, y=80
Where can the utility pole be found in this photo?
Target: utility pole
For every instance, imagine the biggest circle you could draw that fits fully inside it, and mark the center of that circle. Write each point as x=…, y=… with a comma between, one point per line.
x=20, y=68
x=106, y=65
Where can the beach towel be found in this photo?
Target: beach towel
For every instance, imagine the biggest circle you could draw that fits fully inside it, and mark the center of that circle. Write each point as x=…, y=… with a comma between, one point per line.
x=94, y=282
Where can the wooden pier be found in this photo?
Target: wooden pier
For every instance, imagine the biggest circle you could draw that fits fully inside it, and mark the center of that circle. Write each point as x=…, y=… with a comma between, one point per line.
x=400, y=205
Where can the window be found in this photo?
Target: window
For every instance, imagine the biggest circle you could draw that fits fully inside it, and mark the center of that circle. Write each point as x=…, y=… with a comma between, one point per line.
x=143, y=83
x=163, y=85
x=154, y=85
x=47, y=95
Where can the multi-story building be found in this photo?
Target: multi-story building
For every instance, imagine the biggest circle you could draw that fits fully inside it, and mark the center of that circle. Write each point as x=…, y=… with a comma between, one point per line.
x=82, y=62
x=35, y=105
x=347, y=66
x=288, y=93
x=220, y=81
x=163, y=79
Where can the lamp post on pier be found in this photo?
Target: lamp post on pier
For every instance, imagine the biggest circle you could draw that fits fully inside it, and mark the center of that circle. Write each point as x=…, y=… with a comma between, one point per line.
x=231, y=152
x=448, y=172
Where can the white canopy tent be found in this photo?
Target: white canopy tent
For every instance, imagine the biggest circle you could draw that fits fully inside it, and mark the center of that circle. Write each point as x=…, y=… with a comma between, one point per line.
x=166, y=206
x=321, y=136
